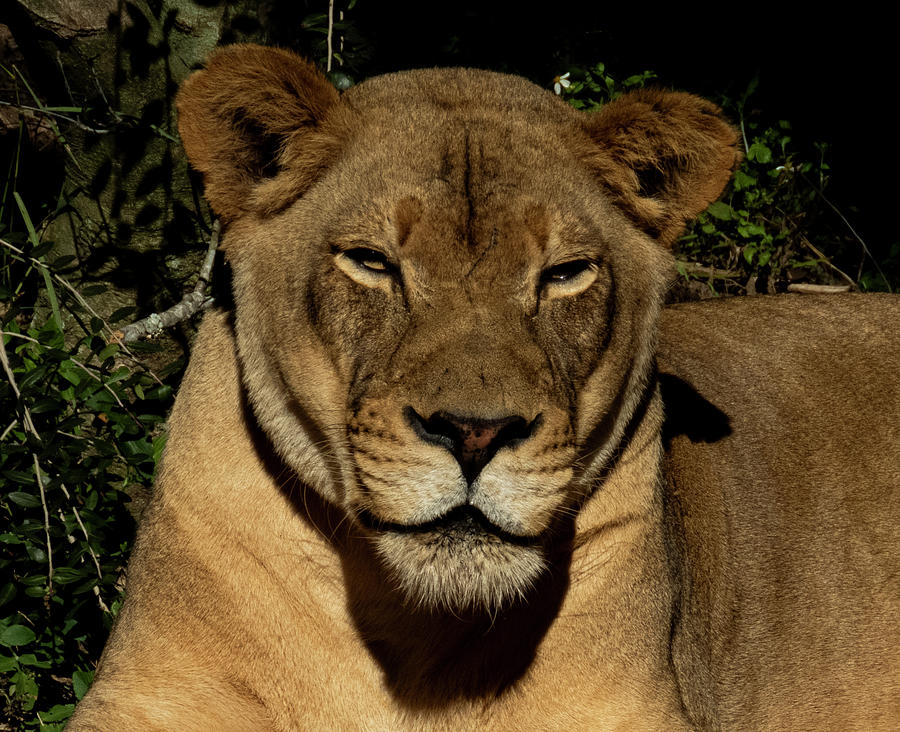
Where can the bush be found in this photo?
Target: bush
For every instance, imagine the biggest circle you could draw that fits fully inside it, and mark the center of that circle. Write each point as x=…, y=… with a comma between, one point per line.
x=80, y=437
x=774, y=225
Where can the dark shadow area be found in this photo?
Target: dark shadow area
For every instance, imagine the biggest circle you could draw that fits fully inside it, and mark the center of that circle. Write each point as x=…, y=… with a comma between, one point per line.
x=688, y=413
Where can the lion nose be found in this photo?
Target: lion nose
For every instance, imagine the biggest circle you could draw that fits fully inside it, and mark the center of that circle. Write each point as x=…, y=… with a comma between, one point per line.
x=473, y=441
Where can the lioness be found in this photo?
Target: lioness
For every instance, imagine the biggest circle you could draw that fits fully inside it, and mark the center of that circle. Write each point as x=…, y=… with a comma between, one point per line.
x=447, y=465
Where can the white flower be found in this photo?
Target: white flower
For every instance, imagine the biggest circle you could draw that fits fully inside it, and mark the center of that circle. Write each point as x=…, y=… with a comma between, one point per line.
x=561, y=82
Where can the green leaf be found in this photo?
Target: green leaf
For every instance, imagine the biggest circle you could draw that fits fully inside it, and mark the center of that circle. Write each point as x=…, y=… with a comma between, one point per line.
x=47, y=405
x=81, y=682
x=7, y=593
x=57, y=713
x=19, y=476
x=66, y=575
x=721, y=211
x=32, y=234
x=72, y=373
x=29, y=659
x=7, y=664
x=111, y=350
x=760, y=153
x=62, y=261
x=36, y=553
x=743, y=180
x=25, y=689
x=26, y=500
x=16, y=635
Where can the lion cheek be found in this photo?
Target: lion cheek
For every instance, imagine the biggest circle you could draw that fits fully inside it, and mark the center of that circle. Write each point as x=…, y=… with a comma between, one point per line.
x=522, y=503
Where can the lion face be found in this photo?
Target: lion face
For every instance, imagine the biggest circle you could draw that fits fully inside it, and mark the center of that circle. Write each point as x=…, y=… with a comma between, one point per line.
x=445, y=311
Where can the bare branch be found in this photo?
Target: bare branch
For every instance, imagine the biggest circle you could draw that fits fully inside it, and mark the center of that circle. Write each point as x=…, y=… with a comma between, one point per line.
x=818, y=289
x=190, y=304
x=36, y=111
x=9, y=428
x=701, y=270
x=330, y=33
x=40, y=482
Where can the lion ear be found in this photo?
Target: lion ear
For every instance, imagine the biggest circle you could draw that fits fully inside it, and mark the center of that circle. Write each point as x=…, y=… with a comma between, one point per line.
x=663, y=156
x=251, y=122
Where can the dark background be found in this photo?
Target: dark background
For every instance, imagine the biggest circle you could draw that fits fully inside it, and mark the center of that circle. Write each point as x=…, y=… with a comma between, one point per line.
x=830, y=73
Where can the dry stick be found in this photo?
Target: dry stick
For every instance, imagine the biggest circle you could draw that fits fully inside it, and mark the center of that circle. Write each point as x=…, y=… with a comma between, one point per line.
x=40, y=482
x=807, y=289
x=330, y=32
x=827, y=261
x=36, y=111
x=77, y=516
x=29, y=425
x=693, y=268
x=81, y=301
x=190, y=304
x=10, y=428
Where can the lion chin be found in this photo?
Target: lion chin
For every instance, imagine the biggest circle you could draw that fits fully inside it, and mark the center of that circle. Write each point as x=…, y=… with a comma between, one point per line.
x=458, y=563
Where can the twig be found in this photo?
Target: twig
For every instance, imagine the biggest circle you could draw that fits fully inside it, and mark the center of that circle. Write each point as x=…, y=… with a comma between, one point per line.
x=40, y=482
x=71, y=120
x=29, y=425
x=86, y=539
x=62, y=71
x=330, y=33
x=827, y=261
x=807, y=289
x=10, y=427
x=190, y=304
x=693, y=268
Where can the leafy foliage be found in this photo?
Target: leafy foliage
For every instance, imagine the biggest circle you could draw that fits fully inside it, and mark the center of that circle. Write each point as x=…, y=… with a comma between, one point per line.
x=80, y=436
x=760, y=236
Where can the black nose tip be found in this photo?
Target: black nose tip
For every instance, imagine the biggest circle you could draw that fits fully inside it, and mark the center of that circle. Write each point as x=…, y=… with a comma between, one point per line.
x=472, y=440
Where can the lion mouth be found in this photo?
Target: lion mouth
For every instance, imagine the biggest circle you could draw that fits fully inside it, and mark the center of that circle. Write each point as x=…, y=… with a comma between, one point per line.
x=462, y=522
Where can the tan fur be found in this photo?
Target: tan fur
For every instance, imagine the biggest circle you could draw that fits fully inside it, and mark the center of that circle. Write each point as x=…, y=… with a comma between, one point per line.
x=690, y=520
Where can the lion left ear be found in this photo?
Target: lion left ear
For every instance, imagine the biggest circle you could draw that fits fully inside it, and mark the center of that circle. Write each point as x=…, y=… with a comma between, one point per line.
x=663, y=156
x=250, y=115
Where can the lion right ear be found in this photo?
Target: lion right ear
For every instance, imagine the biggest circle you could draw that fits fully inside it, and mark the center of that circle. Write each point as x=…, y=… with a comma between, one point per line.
x=251, y=122
x=663, y=157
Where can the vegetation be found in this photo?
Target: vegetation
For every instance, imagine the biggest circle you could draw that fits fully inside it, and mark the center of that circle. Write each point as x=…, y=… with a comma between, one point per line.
x=80, y=437
x=760, y=236
x=82, y=414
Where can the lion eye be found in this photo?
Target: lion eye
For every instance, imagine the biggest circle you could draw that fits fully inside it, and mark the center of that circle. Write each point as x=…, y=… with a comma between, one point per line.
x=568, y=278
x=566, y=271
x=370, y=259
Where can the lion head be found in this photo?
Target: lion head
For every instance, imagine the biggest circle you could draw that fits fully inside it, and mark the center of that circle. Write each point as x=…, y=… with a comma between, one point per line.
x=446, y=285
